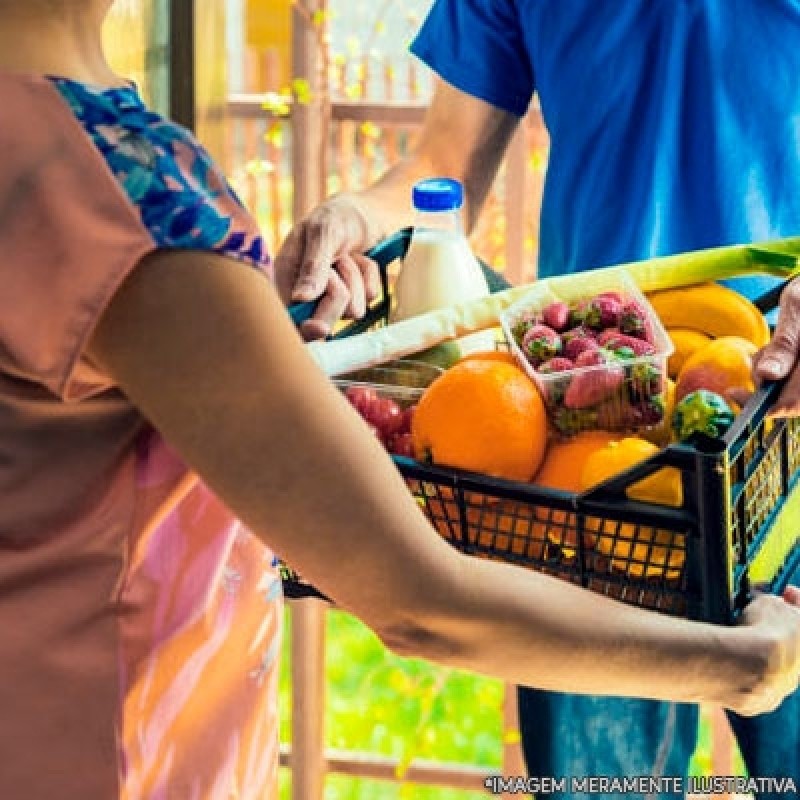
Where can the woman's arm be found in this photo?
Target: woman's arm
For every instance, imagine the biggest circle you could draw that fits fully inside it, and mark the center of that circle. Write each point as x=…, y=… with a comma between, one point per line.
x=203, y=346
x=462, y=137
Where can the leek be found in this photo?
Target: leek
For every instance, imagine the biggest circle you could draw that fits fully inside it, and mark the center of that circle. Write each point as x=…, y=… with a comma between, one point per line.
x=780, y=259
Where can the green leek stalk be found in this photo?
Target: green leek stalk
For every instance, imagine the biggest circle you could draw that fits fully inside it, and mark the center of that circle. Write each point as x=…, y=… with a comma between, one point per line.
x=779, y=259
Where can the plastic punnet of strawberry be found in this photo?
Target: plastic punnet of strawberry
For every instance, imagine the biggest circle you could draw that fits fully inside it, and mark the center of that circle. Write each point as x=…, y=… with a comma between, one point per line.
x=599, y=359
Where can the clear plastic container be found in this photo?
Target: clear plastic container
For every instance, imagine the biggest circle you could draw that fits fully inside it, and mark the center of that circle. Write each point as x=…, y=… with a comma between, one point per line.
x=439, y=269
x=622, y=390
x=403, y=381
x=386, y=396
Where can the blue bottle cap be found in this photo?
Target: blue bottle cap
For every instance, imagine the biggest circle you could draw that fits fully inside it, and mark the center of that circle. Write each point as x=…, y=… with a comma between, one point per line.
x=438, y=194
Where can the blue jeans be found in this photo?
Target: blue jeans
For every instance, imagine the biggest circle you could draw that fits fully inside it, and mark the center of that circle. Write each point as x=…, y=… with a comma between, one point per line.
x=572, y=735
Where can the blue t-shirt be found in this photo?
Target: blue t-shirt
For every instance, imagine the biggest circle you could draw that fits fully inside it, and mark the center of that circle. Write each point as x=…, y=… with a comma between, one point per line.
x=674, y=124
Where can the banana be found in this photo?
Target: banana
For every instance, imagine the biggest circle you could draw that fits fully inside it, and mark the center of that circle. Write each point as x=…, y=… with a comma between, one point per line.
x=711, y=309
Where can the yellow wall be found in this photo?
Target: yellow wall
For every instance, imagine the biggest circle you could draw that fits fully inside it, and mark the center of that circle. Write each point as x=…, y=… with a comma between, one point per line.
x=269, y=28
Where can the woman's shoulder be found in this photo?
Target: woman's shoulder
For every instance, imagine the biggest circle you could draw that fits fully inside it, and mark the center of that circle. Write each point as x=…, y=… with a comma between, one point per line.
x=182, y=197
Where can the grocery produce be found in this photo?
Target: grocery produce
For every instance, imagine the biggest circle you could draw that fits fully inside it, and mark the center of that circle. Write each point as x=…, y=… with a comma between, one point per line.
x=723, y=364
x=587, y=389
x=442, y=355
x=661, y=434
x=492, y=355
x=637, y=550
x=686, y=342
x=663, y=487
x=577, y=341
x=601, y=312
x=702, y=412
x=654, y=275
x=556, y=316
x=540, y=343
x=633, y=320
x=591, y=372
x=561, y=469
x=711, y=309
x=484, y=416
x=385, y=417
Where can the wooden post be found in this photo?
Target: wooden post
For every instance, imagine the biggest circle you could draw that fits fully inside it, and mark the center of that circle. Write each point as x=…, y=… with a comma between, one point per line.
x=721, y=746
x=309, y=172
x=309, y=148
x=513, y=761
x=308, y=700
x=516, y=168
x=211, y=75
x=183, y=93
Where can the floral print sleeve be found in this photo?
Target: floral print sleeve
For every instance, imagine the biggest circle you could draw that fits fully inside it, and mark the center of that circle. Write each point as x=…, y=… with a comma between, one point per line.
x=184, y=200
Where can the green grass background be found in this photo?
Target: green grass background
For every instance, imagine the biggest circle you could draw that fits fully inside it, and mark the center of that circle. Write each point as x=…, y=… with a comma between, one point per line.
x=408, y=709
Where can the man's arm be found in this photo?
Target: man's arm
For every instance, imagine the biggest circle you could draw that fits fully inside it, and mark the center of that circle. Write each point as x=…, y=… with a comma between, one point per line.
x=462, y=137
x=203, y=347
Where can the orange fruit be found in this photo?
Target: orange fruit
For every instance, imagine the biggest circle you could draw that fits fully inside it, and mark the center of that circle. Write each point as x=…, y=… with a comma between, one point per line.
x=636, y=549
x=482, y=416
x=561, y=469
x=492, y=355
x=686, y=342
x=723, y=364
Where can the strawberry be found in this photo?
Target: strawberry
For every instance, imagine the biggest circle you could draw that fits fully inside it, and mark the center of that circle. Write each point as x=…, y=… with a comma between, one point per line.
x=576, y=331
x=556, y=316
x=577, y=345
x=557, y=364
x=644, y=414
x=624, y=353
x=633, y=321
x=613, y=295
x=570, y=421
x=639, y=346
x=523, y=323
x=646, y=381
x=578, y=313
x=650, y=412
x=401, y=444
x=601, y=312
x=604, y=337
x=541, y=343
x=595, y=385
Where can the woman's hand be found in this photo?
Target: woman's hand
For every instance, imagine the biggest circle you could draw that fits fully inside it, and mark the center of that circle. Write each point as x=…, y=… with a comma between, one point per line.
x=322, y=257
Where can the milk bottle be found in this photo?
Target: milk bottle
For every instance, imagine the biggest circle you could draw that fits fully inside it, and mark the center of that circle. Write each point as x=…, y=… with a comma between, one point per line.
x=439, y=269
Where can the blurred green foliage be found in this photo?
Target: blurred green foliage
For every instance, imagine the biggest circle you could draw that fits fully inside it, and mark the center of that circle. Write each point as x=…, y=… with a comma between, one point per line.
x=407, y=709
x=403, y=709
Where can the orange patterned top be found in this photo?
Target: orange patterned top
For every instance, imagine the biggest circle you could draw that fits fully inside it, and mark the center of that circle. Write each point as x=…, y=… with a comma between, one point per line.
x=141, y=622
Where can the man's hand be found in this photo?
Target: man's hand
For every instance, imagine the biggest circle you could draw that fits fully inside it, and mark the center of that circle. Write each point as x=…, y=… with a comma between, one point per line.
x=779, y=359
x=322, y=257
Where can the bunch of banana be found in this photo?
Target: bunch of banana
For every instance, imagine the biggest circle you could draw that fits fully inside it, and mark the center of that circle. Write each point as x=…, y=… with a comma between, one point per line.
x=694, y=315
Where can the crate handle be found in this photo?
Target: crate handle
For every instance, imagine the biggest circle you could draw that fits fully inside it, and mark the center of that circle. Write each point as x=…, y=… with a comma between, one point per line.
x=383, y=254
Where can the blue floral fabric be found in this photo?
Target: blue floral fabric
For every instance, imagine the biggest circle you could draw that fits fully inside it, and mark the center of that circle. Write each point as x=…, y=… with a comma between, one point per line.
x=183, y=199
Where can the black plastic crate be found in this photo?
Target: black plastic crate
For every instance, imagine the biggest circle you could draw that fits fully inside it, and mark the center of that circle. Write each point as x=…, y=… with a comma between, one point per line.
x=739, y=525
x=738, y=528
